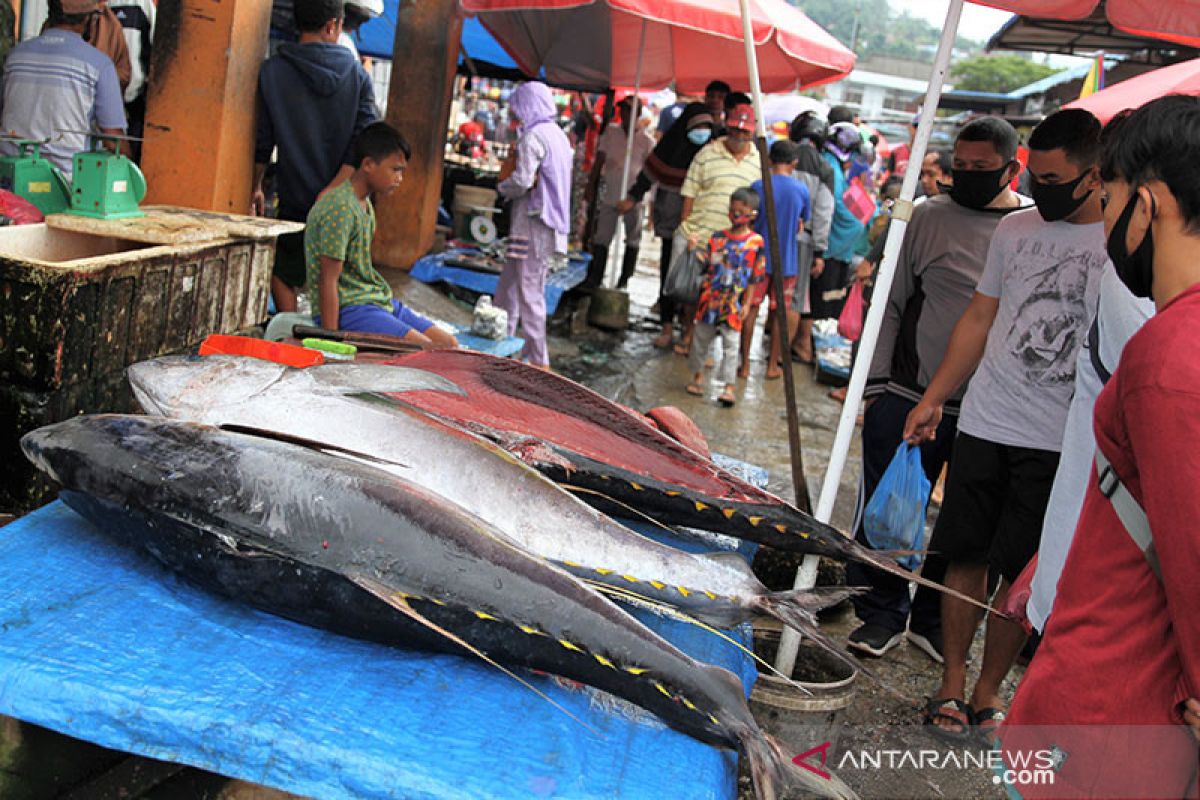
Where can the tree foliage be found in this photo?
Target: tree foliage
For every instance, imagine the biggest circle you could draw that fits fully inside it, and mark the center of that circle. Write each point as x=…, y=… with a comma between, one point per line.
x=881, y=30
x=997, y=73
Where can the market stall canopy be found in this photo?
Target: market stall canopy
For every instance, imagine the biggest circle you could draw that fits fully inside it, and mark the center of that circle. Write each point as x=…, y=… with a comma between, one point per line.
x=377, y=39
x=1176, y=79
x=1087, y=36
x=1174, y=21
x=595, y=43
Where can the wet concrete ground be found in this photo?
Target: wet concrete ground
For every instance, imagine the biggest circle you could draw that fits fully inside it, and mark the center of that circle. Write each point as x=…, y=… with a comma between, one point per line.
x=626, y=367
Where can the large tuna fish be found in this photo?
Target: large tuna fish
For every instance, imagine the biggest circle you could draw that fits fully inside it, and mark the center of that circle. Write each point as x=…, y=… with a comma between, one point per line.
x=294, y=404
x=581, y=439
x=337, y=543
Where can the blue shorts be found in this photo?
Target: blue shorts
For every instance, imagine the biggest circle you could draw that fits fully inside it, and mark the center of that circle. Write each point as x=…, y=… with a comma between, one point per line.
x=371, y=318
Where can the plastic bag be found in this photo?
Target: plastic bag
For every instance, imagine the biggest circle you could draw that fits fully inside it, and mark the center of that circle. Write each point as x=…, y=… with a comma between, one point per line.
x=850, y=321
x=1018, y=596
x=895, y=515
x=684, y=278
x=16, y=210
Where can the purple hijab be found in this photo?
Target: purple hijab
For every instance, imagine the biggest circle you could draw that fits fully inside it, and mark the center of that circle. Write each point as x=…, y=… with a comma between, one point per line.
x=550, y=197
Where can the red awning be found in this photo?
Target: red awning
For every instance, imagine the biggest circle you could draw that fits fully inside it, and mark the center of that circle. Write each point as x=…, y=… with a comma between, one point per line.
x=1171, y=20
x=594, y=43
x=1181, y=78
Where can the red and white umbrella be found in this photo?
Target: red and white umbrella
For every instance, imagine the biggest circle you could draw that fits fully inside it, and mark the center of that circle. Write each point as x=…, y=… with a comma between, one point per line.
x=596, y=43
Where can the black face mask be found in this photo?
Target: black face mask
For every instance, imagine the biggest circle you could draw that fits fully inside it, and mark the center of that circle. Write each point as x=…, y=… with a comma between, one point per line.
x=1056, y=201
x=976, y=188
x=1136, y=269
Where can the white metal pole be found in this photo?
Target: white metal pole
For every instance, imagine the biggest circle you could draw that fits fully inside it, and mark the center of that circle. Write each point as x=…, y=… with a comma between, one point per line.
x=901, y=214
x=634, y=115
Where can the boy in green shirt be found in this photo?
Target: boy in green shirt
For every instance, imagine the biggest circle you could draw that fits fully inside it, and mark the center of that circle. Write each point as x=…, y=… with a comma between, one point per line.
x=345, y=288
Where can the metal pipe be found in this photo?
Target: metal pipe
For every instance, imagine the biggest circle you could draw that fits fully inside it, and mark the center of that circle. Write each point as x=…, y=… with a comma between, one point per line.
x=633, y=120
x=799, y=484
x=901, y=214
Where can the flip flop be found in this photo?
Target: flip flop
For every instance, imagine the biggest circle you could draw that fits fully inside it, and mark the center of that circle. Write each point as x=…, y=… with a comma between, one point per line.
x=694, y=388
x=952, y=710
x=727, y=399
x=986, y=722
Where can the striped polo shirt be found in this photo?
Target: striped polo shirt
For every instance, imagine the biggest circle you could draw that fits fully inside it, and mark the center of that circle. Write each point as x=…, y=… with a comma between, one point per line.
x=713, y=176
x=59, y=82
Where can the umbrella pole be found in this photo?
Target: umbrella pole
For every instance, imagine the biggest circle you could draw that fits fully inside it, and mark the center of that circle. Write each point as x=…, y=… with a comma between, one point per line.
x=799, y=484
x=901, y=214
x=619, y=249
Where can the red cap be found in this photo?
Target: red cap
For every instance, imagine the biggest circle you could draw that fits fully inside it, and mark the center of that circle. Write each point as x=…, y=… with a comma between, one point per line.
x=741, y=117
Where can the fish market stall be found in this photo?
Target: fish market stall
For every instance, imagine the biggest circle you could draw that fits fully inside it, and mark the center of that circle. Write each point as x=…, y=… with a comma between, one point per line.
x=117, y=650
x=82, y=298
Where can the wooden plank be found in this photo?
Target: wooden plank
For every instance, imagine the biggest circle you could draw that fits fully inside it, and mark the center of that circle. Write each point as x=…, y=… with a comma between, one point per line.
x=173, y=225
x=131, y=778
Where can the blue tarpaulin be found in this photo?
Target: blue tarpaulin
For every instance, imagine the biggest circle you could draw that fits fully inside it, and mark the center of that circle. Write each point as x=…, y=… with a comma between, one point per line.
x=377, y=39
x=102, y=643
x=434, y=269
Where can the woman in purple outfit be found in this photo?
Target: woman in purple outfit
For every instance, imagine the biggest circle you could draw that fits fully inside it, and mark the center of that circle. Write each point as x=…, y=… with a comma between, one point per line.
x=540, y=190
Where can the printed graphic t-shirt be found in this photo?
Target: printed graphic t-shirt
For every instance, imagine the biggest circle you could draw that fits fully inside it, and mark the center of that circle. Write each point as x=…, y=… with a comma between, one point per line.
x=732, y=265
x=1046, y=276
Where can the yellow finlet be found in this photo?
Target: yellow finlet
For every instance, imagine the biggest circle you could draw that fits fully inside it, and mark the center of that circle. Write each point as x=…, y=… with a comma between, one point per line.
x=631, y=579
x=663, y=689
x=636, y=670
x=682, y=590
x=485, y=615
x=602, y=571
x=570, y=645
x=637, y=487
x=781, y=528
x=672, y=493
x=531, y=631
x=728, y=512
x=604, y=661
x=700, y=506
x=755, y=520
x=658, y=584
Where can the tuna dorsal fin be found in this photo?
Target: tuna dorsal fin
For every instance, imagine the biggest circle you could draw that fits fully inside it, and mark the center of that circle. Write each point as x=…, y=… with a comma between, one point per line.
x=360, y=378
x=398, y=602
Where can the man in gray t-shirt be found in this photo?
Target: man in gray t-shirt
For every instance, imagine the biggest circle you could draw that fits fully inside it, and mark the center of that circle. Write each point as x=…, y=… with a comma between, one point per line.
x=1020, y=336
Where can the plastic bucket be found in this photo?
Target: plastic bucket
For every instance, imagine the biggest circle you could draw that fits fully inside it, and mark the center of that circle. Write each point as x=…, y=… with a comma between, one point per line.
x=802, y=718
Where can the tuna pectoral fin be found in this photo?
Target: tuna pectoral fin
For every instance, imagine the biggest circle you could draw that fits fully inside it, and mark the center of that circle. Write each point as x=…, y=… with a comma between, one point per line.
x=378, y=378
x=399, y=601
x=772, y=771
x=311, y=444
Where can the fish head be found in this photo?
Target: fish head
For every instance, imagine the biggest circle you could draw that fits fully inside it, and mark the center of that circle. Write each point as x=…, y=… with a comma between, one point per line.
x=111, y=455
x=179, y=386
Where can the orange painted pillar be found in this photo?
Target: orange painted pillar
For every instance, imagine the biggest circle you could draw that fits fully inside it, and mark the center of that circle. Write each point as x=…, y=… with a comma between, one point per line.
x=428, y=34
x=199, y=148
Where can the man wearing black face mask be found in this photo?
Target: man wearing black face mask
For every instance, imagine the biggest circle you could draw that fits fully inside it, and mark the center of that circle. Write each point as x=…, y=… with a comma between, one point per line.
x=1020, y=336
x=940, y=263
x=1122, y=648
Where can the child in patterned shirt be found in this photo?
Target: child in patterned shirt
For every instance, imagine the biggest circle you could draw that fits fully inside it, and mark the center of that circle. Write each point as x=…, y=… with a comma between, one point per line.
x=734, y=261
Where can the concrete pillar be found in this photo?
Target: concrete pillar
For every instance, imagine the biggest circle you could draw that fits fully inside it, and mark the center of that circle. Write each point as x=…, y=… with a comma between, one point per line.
x=428, y=36
x=199, y=148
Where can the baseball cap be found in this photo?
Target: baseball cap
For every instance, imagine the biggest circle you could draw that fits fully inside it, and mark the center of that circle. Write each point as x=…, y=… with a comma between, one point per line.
x=741, y=117
x=699, y=119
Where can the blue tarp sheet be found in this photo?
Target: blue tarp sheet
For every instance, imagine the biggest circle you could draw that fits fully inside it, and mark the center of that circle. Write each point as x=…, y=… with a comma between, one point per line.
x=102, y=643
x=377, y=38
x=433, y=269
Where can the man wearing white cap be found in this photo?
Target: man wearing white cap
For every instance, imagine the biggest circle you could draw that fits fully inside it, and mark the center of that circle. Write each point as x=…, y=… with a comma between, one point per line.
x=57, y=83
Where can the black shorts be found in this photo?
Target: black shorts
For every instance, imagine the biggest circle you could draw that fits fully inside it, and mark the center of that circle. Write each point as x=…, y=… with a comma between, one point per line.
x=994, y=503
x=290, y=266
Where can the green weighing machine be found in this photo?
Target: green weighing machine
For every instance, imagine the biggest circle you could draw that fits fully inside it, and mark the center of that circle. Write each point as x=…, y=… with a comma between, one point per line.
x=105, y=185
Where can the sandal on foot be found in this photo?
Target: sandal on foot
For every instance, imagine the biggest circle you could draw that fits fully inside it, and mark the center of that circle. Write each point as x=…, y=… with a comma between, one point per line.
x=694, y=388
x=986, y=721
x=682, y=349
x=663, y=341
x=727, y=399
x=952, y=710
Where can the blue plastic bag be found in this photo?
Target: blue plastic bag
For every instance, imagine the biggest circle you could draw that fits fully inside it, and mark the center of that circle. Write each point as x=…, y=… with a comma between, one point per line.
x=895, y=515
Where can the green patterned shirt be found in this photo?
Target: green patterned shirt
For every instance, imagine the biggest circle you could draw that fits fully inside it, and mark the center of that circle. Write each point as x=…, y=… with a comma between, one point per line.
x=339, y=227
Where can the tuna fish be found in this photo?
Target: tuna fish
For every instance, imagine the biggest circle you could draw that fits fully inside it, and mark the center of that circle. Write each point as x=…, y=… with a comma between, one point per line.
x=270, y=399
x=333, y=542
x=581, y=439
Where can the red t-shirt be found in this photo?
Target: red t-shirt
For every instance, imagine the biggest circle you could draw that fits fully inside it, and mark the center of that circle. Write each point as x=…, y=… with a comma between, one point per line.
x=1122, y=649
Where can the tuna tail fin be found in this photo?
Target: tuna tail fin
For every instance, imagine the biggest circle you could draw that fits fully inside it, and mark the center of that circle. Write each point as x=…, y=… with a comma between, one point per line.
x=399, y=601
x=880, y=560
x=773, y=773
x=796, y=610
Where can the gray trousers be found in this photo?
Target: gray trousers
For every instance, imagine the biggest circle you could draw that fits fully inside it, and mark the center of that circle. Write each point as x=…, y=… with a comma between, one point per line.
x=731, y=341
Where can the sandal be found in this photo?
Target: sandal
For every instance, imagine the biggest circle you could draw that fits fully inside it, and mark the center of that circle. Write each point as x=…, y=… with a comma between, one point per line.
x=682, y=349
x=987, y=720
x=727, y=399
x=694, y=388
x=952, y=710
x=663, y=340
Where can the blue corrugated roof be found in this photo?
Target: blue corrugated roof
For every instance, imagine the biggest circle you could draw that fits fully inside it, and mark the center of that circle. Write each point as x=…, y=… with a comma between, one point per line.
x=1057, y=79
